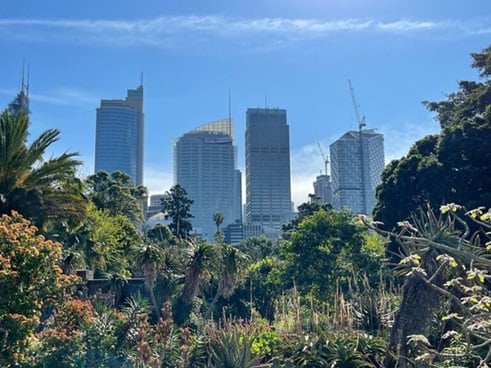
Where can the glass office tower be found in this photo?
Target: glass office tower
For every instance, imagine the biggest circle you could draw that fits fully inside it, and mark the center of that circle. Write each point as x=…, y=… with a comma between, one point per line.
x=119, y=135
x=267, y=149
x=205, y=161
x=355, y=176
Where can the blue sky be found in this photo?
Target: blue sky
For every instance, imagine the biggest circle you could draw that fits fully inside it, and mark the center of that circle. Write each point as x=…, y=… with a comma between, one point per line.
x=292, y=54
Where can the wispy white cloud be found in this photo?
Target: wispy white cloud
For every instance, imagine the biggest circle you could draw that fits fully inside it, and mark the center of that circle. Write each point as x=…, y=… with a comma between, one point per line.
x=168, y=31
x=62, y=96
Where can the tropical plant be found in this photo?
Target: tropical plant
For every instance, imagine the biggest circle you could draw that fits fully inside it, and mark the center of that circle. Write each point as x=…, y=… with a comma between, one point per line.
x=200, y=255
x=150, y=259
x=231, y=261
x=38, y=188
x=230, y=345
x=445, y=267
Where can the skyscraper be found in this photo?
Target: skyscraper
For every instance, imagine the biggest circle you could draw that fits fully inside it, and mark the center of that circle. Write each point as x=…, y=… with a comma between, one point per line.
x=267, y=149
x=355, y=176
x=322, y=188
x=21, y=102
x=205, y=162
x=119, y=135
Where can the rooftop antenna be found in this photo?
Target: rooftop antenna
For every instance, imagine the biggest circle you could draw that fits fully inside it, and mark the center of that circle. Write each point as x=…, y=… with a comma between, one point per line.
x=141, y=79
x=266, y=101
x=229, y=106
x=28, y=78
x=24, y=87
x=22, y=84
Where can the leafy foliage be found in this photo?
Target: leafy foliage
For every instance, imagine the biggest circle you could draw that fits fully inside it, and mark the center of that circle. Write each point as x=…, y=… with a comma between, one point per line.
x=458, y=158
x=30, y=280
x=177, y=208
x=41, y=190
x=325, y=250
x=117, y=194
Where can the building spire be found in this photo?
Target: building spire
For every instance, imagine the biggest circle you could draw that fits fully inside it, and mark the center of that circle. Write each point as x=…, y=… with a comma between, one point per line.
x=229, y=106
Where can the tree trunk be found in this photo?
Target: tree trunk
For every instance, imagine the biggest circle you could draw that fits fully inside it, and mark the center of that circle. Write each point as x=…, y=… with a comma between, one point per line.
x=419, y=303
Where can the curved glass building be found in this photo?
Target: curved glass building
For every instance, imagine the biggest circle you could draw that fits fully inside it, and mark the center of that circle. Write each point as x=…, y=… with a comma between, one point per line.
x=205, y=164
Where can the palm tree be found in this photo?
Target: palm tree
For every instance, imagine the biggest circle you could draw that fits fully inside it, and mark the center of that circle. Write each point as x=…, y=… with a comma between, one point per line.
x=202, y=253
x=218, y=220
x=39, y=189
x=231, y=259
x=150, y=259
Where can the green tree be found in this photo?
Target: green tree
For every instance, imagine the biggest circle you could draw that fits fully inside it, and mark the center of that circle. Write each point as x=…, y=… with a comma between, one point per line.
x=325, y=249
x=218, y=220
x=40, y=189
x=30, y=280
x=117, y=194
x=107, y=242
x=452, y=166
x=257, y=248
x=150, y=259
x=201, y=255
x=160, y=234
x=177, y=208
x=231, y=262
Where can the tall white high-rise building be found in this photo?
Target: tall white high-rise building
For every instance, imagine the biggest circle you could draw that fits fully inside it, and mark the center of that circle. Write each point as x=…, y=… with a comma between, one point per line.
x=119, y=135
x=205, y=165
x=357, y=162
x=268, y=187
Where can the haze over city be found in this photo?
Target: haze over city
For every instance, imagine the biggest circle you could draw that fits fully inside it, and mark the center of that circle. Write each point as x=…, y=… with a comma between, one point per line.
x=296, y=55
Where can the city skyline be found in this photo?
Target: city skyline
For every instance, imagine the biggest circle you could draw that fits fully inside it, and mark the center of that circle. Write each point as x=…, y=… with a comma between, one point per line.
x=298, y=55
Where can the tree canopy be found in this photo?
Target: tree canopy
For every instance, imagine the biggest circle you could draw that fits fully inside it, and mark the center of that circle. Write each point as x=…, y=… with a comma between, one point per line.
x=177, y=208
x=452, y=166
x=117, y=194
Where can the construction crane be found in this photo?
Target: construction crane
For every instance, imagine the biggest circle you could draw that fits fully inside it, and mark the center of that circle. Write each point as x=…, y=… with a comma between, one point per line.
x=361, y=125
x=324, y=157
x=356, y=106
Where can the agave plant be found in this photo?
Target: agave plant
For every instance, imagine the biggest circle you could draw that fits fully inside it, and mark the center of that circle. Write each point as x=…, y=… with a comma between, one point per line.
x=231, y=347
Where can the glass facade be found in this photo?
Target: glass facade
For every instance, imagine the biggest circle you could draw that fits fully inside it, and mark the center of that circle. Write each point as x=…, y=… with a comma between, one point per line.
x=119, y=135
x=205, y=165
x=267, y=149
x=355, y=176
x=322, y=188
